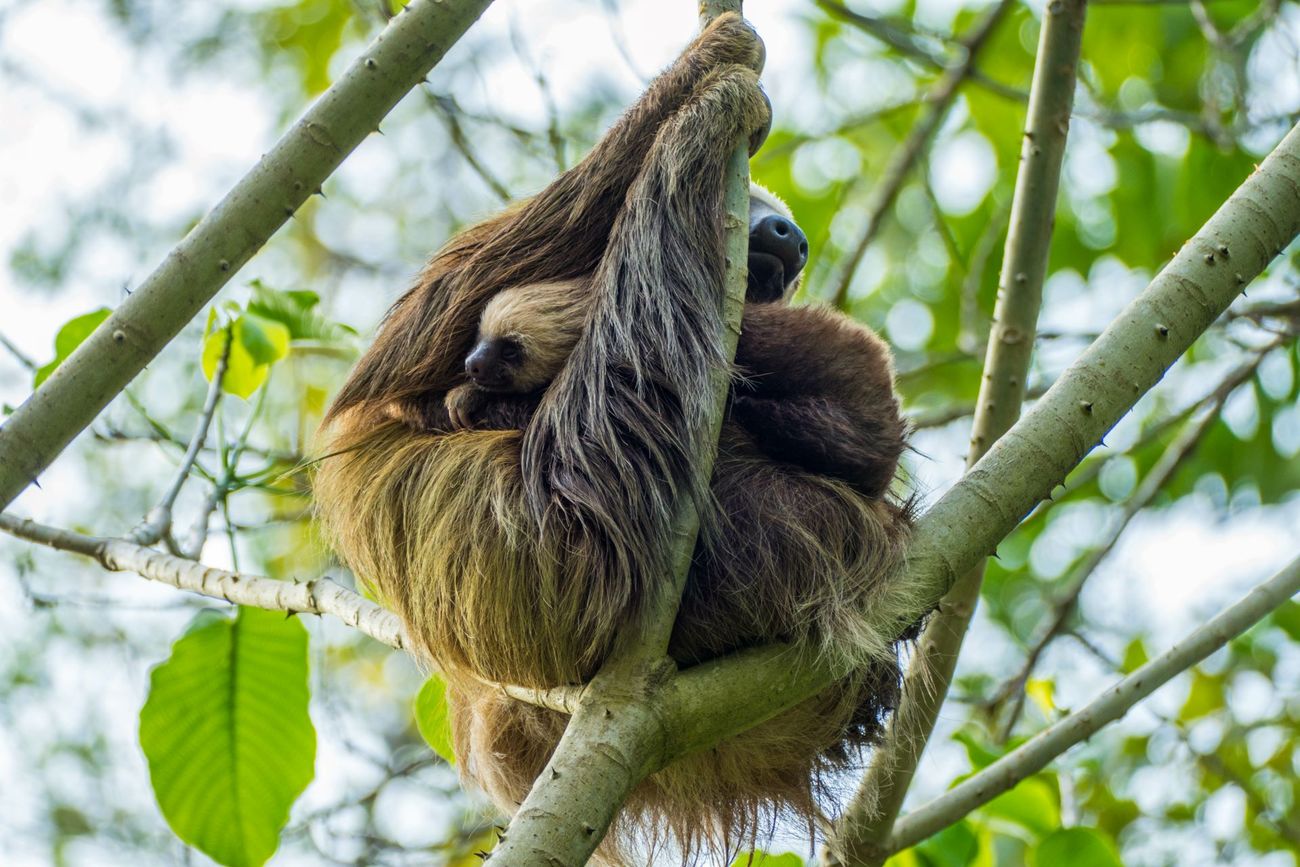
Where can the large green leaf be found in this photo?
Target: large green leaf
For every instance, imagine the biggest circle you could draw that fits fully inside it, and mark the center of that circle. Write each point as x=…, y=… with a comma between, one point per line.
x=70, y=336
x=227, y=735
x=433, y=719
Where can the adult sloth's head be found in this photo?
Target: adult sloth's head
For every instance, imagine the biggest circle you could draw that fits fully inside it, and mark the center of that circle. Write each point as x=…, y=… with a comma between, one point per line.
x=778, y=248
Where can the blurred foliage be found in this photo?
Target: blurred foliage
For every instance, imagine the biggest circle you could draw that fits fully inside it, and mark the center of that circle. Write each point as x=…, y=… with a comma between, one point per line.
x=1177, y=102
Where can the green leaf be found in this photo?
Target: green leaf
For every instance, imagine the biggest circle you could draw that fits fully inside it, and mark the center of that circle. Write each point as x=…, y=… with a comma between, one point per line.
x=954, y=846
x=1135, y=656
x=759, y=858
x=227, y=735
x=296, y=311
x=267, y=341
x=432, y=717
x=70, y=336
x=1033, y=804
x=1288, y=619
x=1075, y=847
x=979, y=753
x=258, y=343
x=1206, y=696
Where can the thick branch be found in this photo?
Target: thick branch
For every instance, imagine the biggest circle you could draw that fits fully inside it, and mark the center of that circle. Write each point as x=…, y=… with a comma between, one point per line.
x=317, y=596
x=871, y=813
x=1038, y=752
x=228, y=237
x=1021, y=469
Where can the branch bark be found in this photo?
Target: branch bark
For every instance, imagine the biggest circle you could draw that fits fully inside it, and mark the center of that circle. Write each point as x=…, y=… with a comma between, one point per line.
x=1039, y=751
x=227, y=237
x=317, y=596
x=618, y=735
x=1011, y=693
x=1023, y=467
x=871, y=812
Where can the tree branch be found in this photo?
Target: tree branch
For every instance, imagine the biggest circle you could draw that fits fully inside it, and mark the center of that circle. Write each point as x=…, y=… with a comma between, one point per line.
x=227, y=237
x=1039, y=751
x=158, y=523
x=1023, y=467
x=317, y=596
x=1160, y=475
x=870, y=814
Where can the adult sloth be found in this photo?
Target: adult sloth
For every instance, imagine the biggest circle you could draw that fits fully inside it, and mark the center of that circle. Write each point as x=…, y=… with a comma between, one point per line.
x=517, y=556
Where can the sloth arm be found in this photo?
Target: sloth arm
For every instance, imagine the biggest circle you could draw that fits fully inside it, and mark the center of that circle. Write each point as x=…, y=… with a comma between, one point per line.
x=816, y=390
x=496, y=411
x=567, y=224
x=618, y=434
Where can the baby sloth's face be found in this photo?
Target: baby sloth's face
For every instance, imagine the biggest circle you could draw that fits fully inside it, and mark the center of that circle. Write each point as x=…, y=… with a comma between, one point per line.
x=526, y=334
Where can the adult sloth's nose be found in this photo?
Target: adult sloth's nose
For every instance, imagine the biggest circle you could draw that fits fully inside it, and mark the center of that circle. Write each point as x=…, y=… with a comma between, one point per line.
x=777, y=236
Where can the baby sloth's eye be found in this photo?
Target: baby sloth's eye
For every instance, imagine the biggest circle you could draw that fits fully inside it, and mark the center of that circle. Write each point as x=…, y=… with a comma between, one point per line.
x=510, y=352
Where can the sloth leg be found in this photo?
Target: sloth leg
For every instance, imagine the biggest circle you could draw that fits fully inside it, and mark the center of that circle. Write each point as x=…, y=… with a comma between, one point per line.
x=818, y=392
x=860, y=446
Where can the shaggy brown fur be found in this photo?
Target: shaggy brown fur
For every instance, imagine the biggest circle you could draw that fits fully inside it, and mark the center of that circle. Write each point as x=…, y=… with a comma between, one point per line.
x=517, y=555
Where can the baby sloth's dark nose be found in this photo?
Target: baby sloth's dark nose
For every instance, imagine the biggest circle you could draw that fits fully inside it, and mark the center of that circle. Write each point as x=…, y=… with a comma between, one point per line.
x=781, y=238
x=483, y=365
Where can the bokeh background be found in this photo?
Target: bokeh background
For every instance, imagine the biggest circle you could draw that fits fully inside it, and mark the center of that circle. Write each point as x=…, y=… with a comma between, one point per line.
x=122, y=121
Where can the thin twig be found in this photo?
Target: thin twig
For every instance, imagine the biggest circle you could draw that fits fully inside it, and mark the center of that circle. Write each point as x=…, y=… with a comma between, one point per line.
x=1055, y=622
x=1042, y=749
x=19, y=356
x=449, y=111
x=158, y=523
x=1164, y=470
x=317, y=596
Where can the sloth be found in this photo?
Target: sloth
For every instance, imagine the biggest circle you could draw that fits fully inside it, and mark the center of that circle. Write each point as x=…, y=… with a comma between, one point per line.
x=518, y=550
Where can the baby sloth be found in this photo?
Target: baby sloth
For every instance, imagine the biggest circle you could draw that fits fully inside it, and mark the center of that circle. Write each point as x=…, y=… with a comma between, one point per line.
x=526, y=333
x=525, y=336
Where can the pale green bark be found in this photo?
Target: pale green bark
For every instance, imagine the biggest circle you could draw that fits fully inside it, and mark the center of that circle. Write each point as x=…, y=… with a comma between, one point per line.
x=228, y=237
x=871, y=813
x=1260, y=219
x=317, y=596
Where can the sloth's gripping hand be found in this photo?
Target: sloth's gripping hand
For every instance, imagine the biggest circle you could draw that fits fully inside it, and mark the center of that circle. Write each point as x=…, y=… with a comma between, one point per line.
x=728, y=39
x=464, y=403
x=468, y=407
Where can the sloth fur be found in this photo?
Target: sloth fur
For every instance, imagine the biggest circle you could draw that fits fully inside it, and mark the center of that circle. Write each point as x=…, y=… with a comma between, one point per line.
x=517, y=554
